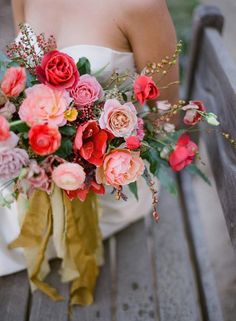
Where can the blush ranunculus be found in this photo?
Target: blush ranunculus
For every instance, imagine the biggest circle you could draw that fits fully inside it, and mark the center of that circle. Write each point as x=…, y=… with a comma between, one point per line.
x=120, y=120
x=44, y=105
x=192, y=116
x=91, y=142
x=86, y=91
x=133, y=142
x=58, y=70
x=14, y=81
x=145, y=89
x=120, y=167
x=44, y=139
x=69, y=176
x=183, y=154
x=4, y=129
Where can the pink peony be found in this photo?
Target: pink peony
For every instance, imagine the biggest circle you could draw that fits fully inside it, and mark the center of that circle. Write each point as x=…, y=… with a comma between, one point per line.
x=12, y=161
x=13, y=82
x=69, y=176
x=120, y=120
x=86, y=91
x=4, y=129
x=44, y=105
x=120, y=167
x=7, y=110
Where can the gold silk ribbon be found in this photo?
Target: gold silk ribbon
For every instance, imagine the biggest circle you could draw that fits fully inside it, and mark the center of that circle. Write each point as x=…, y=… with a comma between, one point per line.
x=73, y=226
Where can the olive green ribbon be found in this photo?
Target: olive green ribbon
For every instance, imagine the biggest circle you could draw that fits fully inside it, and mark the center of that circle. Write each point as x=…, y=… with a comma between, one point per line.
x=76, y=236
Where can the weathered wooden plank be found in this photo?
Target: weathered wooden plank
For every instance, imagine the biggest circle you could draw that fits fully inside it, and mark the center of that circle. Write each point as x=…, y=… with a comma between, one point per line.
x=176, y=282
x=135, y=300
x=207, y=287
x=43, y=308
x=215, y=83
x=101, y=308
x=14, y=297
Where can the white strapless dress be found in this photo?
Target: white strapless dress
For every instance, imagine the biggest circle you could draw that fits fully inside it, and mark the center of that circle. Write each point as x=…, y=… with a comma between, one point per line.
x=116, y=215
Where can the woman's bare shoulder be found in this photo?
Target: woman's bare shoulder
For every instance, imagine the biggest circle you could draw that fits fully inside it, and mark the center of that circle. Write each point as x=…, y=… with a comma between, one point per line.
x=143, y=6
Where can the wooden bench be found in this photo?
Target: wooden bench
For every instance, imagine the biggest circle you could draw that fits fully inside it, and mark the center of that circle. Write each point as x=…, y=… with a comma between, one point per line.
x=157, y=272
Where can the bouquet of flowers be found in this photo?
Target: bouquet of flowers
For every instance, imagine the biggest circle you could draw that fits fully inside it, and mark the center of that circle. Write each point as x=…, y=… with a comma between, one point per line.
x=64, y=137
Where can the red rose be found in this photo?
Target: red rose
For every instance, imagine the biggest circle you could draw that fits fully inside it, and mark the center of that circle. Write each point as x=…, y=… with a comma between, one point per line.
x=183, y=154
x=58, y=70
x=83, y=192
x=133, y=142
x=91, y=142
x=145, y=89
x=44, y=139
x=192, y=116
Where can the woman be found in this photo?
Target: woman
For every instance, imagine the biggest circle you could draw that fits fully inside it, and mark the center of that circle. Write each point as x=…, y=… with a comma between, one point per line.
x=125, y=34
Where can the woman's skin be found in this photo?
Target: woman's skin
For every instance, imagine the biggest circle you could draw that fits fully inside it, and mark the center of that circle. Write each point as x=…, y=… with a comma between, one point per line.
x=141, y=26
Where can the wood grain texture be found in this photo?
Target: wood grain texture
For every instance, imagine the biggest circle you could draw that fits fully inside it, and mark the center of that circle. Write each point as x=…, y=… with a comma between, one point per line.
x=42, y=308
x=176, y=282
x=14, y=297
x=215, y=84
x=100, y=310
x=134, y=299
x=207, y=288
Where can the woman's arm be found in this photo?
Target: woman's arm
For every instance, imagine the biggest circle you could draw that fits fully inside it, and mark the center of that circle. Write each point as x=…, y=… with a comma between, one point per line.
x=18, y=12
x=150, y=31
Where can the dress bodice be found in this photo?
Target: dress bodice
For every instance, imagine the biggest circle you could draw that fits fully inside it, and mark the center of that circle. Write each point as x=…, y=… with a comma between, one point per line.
x=100, y=57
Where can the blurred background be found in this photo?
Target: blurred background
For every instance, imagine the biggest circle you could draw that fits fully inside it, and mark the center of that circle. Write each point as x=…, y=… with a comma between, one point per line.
x=222, y=256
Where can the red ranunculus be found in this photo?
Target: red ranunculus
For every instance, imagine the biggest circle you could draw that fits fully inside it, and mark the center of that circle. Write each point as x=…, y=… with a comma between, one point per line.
x=145, y=89
x=91, y=142
x=82, y=193
x=192, y=116
x=58, y=70
x=183, y=154
x=133, y=142
x=44, y=139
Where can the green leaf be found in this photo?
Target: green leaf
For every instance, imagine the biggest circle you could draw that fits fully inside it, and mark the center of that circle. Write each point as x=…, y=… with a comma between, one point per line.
x=195, y=170
x=134, y=189
x=65, y=149
x=83, y=66
x=19, y=126
x=67, y=130
x=167, y=179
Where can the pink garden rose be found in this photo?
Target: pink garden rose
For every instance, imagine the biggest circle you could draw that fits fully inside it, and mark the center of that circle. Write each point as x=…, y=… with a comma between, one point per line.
x=69, y=176
x=13, y=82
x=44, y=105
x=4, y=129
x=86, y=91
x=120, y=167
x=120, y=120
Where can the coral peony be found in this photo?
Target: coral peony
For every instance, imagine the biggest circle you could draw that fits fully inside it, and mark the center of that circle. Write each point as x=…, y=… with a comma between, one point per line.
x=86, y=91
x=44, y=139
x=14, y=81
x=69, y=176
x=44, y=105
x=120, y=120
x=58, y=70
x=120, y=167
x=91, y=142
